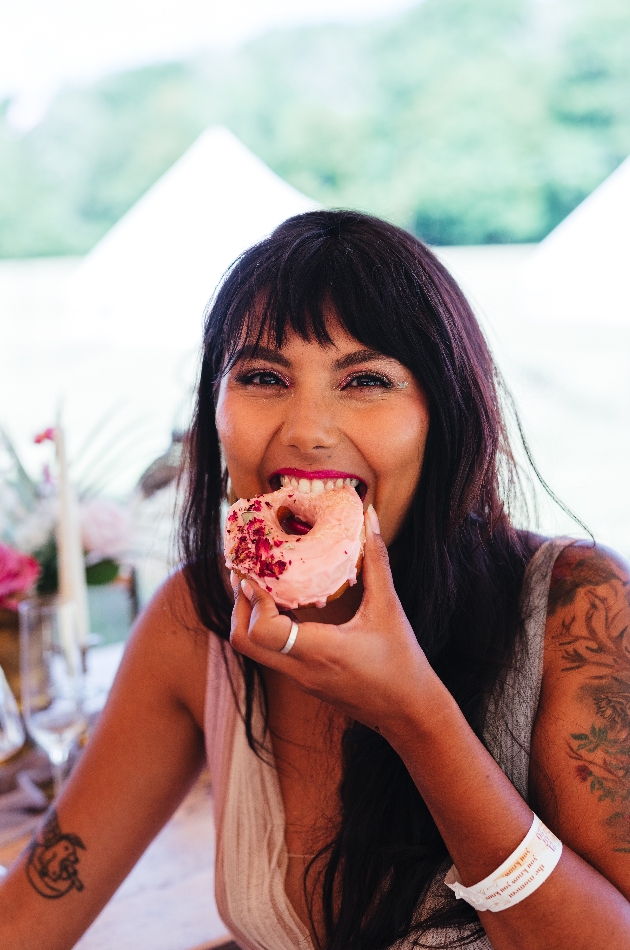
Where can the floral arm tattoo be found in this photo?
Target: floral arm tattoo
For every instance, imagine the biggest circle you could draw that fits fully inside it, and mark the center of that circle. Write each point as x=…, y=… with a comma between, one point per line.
x=53, y=859
x=597, y=646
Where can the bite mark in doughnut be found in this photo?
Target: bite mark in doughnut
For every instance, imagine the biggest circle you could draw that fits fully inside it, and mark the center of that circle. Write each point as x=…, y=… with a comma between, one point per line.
x=298, y=569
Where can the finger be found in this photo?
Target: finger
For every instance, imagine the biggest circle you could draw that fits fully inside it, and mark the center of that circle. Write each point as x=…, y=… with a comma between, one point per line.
x=241, y=614
x=267, y=629
x=248, y=589
x=376, y=573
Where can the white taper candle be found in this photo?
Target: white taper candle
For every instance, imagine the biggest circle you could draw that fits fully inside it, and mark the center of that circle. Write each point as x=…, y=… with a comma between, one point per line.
x=71, y=566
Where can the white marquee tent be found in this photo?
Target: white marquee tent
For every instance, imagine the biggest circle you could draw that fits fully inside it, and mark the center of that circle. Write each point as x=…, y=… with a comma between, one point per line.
x=125, y=341
x=579, y=273
x=147, y=281
x=569, y=357
x=558, y=319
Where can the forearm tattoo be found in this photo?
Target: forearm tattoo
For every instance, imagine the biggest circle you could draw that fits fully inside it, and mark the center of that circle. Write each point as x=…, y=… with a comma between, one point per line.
x=594, y=639
x=53, y=859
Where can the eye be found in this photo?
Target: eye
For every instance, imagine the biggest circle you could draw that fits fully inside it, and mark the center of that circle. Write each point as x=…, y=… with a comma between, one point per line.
x=262, y=378
x=367, y=381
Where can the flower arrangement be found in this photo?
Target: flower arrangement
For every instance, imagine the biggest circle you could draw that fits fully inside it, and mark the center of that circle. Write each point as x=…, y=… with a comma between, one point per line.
x=18, y=573
x=28, y=517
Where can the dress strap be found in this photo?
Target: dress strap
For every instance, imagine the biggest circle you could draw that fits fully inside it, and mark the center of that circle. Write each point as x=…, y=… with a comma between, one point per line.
x=514, y=701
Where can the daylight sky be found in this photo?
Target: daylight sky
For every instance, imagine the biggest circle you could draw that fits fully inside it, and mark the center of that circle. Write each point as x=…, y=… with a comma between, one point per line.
x=45, y=45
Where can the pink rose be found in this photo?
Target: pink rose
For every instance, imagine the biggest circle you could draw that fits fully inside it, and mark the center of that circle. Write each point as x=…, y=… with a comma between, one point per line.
x=18, y=572
x=48, y=435
x=105, y=529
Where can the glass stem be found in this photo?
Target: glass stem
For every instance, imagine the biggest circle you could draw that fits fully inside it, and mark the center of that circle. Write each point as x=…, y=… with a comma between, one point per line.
x=58, y=771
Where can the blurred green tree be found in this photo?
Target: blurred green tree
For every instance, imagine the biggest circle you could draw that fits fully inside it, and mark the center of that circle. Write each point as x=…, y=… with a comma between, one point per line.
x=467, y=121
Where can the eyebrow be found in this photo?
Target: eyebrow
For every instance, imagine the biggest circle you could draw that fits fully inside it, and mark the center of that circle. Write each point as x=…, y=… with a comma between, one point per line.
x=359, y=356
x=251, y=351
x=275, y=356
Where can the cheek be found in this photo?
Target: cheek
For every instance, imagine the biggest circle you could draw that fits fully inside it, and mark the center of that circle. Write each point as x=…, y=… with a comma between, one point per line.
x=229, y=425
x=397, y=448
x=232, y=429
x=241, y=432
x=413, y=437
x=224, y=423
x=401, y=443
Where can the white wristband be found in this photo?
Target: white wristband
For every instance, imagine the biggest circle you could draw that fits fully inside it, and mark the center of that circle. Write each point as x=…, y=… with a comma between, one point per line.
x=525, y=870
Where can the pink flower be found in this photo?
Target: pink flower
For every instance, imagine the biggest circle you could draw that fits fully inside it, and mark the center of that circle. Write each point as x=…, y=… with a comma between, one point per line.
x=18, y=572
x=48, y=435
x=105, y=529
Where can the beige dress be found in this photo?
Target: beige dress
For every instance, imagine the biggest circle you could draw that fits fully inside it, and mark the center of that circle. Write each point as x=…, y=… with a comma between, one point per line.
x=251, y=858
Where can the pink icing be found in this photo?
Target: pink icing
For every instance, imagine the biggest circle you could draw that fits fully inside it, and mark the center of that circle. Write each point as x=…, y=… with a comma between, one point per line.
x=297, y=569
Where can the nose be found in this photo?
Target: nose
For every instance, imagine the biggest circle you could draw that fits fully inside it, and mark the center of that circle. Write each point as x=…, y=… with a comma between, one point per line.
x=309, y=424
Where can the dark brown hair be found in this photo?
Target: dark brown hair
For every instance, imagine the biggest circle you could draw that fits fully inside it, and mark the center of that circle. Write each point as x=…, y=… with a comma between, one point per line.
x=458, y=562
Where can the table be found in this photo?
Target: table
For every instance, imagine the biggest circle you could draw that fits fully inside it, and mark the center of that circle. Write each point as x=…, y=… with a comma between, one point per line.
x=167, y=902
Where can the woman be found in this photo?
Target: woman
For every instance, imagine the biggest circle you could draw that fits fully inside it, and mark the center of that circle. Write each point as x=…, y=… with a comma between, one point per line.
x=393, y=740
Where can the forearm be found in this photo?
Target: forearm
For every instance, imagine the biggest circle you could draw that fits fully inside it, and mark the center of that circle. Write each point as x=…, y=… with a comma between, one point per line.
x=482, y=819
x=50, y=911
x=143, y=757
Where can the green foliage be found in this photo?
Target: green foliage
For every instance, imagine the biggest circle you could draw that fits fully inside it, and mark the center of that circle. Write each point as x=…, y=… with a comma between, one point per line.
x=468, y=121
x=48, y=580
x=103, y=572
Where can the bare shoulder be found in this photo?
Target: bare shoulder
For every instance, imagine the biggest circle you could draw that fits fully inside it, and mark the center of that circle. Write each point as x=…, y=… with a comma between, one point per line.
x=171, y=644
x=584, y=570
x=587, y=647
x=171, y=605
x=580, y=767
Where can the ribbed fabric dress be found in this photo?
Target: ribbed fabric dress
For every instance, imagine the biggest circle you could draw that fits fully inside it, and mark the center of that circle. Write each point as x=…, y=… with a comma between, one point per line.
x=251, y=855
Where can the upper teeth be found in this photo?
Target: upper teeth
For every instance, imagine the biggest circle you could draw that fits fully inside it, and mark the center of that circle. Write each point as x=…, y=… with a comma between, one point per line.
x=316, y=485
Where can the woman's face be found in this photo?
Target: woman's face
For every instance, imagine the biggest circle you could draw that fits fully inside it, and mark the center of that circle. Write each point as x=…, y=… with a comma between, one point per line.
x=321, y=413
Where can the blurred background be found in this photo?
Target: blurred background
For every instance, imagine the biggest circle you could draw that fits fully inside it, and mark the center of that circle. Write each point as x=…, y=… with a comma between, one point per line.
x=144, y=145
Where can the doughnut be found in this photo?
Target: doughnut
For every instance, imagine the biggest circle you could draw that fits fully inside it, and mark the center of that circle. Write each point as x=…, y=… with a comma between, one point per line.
x=298, y=569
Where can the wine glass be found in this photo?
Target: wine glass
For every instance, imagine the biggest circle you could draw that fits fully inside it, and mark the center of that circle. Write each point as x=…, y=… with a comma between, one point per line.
x=51, y=672
x=11, y=729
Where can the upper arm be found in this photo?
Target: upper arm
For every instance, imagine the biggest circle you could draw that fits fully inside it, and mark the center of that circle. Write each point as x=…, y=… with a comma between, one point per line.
x=146, y=751
x=580, y=766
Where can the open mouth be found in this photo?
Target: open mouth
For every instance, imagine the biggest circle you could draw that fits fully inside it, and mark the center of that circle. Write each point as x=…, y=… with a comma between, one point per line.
x=316, y=482
x=291, y=524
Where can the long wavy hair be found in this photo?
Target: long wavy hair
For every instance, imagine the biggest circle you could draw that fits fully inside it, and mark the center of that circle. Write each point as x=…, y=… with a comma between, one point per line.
x=458, y=561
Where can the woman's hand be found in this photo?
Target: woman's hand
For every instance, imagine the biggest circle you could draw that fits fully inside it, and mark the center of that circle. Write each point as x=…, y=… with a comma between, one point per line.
x=371, y=668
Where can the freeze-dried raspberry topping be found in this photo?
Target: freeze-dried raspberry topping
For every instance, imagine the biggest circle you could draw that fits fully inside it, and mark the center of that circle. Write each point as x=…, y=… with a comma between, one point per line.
x=251, y=547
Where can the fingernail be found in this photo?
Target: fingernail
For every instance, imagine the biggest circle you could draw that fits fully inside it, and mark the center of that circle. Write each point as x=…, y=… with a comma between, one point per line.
x=373, y=518
x=234, y=581
x=247, y=589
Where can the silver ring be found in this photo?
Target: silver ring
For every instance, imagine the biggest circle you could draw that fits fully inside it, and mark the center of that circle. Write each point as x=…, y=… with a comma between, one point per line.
x=291, y=639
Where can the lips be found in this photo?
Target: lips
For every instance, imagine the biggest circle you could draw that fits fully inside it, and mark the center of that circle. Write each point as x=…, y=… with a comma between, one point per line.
x=316, y=482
